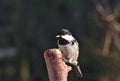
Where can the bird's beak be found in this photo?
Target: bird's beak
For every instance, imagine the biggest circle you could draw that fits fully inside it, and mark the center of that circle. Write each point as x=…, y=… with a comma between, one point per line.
x=57, y=36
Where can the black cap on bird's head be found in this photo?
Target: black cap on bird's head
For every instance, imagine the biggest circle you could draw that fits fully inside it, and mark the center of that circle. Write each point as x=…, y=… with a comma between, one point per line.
x=64, y=37
x=64, y=32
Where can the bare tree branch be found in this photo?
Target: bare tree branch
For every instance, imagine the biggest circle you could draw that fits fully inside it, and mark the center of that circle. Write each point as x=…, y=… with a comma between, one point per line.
x=117, y=11
x=107, y=43
x=113, y=28
x=100, y=8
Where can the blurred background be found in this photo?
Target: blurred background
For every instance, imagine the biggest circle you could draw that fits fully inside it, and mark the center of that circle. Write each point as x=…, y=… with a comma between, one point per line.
x=28, y=28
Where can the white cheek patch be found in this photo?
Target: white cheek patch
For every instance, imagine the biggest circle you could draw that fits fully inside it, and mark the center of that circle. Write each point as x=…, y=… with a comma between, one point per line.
x=68, y=37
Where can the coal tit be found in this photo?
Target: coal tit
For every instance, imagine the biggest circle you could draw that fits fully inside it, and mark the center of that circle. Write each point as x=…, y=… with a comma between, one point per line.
x=69, y=47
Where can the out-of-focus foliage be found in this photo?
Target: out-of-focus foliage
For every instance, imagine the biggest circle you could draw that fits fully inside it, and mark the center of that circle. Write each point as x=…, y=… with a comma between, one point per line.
x=30, y=27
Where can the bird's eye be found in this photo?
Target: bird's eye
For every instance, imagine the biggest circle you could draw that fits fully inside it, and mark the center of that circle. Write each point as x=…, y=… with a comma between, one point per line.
x=72, y=43
x=63, y=41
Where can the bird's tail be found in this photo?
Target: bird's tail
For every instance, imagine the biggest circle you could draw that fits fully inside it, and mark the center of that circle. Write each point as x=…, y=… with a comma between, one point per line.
x=78, y=71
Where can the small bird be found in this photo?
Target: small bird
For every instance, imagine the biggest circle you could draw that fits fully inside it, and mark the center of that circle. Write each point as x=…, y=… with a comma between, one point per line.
x=69, y=47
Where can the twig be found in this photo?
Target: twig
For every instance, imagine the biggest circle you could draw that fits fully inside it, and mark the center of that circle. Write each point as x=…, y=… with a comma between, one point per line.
x=57, y=69
x=107, y=42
